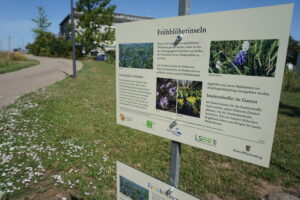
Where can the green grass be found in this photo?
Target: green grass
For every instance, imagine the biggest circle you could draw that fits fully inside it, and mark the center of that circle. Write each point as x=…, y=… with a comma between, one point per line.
x=69, y=130
x=14, y=61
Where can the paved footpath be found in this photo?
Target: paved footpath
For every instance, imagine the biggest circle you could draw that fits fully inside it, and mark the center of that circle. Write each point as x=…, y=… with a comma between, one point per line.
x=18, y=83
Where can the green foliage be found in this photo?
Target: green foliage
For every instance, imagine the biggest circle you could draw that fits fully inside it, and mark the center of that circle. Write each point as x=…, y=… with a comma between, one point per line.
x=292, y=51
x=291, y=81
x=41, y=20
x=95, y=13
x=110, y=57
x=70, y=129
x=259, y=60
x=47, y=44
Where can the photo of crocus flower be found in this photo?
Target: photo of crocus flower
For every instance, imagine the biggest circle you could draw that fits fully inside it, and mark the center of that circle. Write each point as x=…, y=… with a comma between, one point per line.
x=244, y=57
x=136, y=55
x=189, y=98
x=166, y=93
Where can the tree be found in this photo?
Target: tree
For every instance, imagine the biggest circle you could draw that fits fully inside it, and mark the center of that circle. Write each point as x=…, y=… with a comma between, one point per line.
x=292, y=52
x=94, y=26
x=47, y=44
x=41, y=20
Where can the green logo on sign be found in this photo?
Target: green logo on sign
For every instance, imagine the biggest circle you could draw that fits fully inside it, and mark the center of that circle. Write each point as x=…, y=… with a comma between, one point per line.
x=205, y=140
x=149, y=124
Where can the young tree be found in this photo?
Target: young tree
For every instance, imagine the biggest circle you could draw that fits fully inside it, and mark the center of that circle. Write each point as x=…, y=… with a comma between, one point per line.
x=41, y=20
x=95, y=21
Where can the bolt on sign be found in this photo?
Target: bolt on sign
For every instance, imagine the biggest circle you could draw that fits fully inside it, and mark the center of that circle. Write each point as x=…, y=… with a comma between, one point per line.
x=211, y=81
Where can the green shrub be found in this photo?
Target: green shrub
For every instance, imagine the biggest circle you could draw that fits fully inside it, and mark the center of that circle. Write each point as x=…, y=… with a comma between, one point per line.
x=47, y=44
x=291, y=81
x=111, y=57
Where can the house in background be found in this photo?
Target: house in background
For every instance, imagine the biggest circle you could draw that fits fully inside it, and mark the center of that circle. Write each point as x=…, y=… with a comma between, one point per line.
x=65, y=32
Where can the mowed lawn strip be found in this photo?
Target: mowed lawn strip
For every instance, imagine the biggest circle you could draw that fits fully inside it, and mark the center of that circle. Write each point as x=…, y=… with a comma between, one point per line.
x=64, y=140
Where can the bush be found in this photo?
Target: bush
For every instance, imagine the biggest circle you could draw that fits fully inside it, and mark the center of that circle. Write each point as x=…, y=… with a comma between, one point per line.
x=291, y=81
x=47, y=44
x=111, y=57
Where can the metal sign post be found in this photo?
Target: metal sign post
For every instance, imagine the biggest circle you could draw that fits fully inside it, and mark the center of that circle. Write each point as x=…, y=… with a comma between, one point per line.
x=73, y=41
x=184, y=9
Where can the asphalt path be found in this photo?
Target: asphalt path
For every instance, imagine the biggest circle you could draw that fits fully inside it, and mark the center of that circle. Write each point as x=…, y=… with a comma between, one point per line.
x=18, y=83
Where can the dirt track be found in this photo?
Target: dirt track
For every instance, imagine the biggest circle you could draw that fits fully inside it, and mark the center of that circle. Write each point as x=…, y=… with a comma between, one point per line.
x=18, y=83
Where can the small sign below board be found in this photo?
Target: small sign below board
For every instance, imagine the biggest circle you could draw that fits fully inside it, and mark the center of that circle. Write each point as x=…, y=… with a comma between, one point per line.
x=212, y=81
x=133, y=184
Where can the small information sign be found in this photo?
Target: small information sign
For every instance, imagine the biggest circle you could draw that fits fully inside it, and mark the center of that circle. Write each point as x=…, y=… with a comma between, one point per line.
x=133, y=184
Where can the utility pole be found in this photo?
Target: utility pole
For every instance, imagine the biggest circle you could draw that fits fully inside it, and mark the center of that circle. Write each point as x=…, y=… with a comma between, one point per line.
x=184, y=9
x=73, y=41
x=9, y=41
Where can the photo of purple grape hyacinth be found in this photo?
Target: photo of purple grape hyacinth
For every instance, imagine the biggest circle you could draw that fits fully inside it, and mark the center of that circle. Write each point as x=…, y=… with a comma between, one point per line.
x=244, y=57
x=240, y=58
x=166, y=93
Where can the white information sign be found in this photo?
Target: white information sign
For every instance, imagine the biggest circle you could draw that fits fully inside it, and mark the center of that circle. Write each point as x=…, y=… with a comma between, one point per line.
x=133, y=184
x=212, y=80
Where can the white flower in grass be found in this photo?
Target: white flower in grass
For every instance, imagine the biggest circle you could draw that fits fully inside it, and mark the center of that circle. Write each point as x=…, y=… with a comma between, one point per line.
x=218, y=65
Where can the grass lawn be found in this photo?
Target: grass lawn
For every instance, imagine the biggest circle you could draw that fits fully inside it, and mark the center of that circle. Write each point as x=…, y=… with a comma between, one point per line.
x=14, y=62
x=16, y=65
x=63, y=141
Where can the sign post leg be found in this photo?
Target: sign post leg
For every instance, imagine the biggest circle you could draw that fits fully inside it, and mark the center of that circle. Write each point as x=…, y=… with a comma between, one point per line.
x=175, y=163
x=73, y=41
x=184, y=9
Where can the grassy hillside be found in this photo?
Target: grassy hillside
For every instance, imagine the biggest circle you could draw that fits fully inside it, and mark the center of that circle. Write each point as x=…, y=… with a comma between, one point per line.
x=63, y=141
x=14, y=61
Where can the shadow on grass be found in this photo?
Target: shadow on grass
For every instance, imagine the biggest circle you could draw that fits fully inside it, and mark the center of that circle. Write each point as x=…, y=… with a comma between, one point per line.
x=283, y=167
x=289, y=110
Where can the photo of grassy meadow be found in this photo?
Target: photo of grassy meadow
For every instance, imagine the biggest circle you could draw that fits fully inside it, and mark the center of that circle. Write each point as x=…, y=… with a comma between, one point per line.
x=136, y=55
x=133, y=190
x=244, y=57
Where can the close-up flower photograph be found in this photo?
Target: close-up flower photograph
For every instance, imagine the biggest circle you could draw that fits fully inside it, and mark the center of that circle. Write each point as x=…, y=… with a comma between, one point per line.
x=244, y=57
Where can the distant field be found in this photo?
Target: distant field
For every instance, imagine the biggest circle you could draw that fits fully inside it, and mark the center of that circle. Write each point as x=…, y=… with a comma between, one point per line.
x=63, y=141
x=14, y=61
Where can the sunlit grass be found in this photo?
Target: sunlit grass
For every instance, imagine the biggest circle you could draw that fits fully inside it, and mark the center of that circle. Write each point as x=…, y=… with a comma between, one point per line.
x=14, y=61
x=65, y=139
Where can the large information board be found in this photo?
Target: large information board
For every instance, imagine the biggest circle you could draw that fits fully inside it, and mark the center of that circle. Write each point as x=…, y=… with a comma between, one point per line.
x=212, y=80
x=133, y=184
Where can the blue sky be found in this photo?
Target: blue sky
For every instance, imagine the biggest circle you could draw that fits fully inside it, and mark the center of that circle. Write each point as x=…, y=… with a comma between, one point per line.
x=16, y=15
